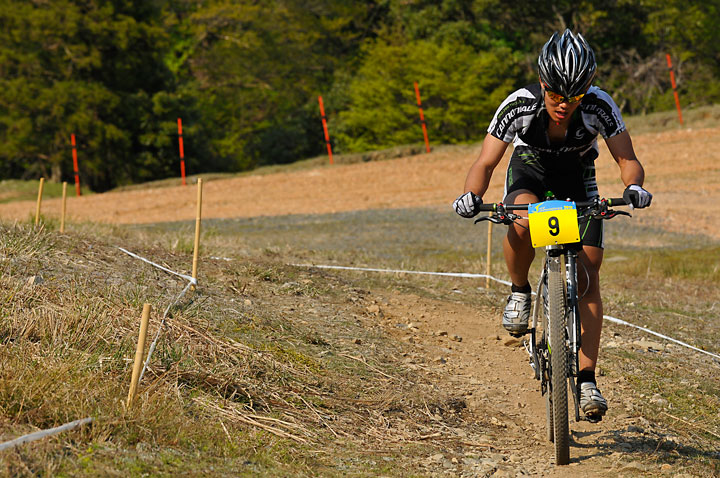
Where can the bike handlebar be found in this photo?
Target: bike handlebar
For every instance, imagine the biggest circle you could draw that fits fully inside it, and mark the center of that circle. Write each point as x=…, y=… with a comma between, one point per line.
x=492, y=207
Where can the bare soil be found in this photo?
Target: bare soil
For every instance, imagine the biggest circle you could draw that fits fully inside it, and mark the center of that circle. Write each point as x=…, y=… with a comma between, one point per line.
x=462, y=347
x=681, y=172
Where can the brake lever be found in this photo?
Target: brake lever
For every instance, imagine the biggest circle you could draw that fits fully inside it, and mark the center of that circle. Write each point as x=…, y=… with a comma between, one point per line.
x=604, y=214
x=494, y=219
x=612, y=213
x=499, y=219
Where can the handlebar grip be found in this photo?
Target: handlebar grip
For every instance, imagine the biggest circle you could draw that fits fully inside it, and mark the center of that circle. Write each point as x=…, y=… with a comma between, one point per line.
x=489, y=207
x=617, y=202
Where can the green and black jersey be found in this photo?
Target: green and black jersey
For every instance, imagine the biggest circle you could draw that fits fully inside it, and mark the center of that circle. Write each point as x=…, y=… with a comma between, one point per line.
x=567, y=168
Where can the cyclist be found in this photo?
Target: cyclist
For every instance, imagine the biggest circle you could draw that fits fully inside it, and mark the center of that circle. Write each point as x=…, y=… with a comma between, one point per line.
x=553, y=125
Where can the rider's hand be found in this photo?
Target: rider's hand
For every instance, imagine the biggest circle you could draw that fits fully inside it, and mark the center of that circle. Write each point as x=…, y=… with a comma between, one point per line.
x=466, y=205
x=636, y=197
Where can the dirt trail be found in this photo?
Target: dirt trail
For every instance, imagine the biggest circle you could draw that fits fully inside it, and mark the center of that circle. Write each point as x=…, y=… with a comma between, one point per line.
x=469, y=354
x=489, y=372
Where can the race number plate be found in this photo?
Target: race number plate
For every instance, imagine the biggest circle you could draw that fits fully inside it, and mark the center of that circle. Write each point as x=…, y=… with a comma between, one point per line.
x=553, y=222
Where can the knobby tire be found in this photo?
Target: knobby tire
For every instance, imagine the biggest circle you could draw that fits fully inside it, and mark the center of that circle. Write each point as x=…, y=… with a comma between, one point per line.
x=558, y=359
x=550, y=434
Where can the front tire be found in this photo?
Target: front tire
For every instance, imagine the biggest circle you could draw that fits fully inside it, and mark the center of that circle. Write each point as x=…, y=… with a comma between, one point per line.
x=558, y=359
x=550, y=432
x=545, y=371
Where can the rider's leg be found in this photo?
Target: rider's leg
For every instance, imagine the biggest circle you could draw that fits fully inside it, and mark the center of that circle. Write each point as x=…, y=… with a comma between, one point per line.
x=591, y=315
x=591, y=310
x=519, y=254
x=517, y=247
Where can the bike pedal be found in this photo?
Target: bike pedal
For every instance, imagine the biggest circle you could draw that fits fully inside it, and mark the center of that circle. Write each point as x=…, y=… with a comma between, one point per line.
x=593, y=417
x=518, y=335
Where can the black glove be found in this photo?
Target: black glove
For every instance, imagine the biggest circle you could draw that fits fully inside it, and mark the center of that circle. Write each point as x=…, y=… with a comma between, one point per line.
x=636, y=197
x=467, y=204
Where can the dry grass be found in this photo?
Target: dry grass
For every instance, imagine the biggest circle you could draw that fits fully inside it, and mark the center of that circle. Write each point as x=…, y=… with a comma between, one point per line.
x=671, y=287
x=255, y=373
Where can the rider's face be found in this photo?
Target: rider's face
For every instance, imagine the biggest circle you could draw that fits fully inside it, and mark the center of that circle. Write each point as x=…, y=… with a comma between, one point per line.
x=559, y=112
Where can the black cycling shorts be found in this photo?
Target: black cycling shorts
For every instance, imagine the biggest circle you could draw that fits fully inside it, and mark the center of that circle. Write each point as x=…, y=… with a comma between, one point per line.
x=526, y=174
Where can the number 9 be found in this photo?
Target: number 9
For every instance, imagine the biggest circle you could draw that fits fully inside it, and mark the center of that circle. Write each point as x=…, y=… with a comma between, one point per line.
x=554, y=226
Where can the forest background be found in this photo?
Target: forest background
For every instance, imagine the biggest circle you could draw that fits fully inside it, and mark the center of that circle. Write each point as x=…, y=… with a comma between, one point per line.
x=244, y=75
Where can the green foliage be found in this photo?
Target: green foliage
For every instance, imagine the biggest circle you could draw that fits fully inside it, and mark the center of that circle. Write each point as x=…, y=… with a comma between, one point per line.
x=89, y=68
x=258, y=67
x=245, y=75
x=460, y=90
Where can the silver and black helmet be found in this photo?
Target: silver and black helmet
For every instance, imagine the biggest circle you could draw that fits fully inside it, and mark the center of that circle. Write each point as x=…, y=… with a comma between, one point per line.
x=567, y=64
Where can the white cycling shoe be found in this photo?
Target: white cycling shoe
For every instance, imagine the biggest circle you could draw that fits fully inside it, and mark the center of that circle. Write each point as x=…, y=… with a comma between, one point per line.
x=517, y=313
x=592, y=402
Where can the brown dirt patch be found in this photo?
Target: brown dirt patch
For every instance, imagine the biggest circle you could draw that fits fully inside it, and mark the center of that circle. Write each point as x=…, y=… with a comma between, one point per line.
x=681, y=168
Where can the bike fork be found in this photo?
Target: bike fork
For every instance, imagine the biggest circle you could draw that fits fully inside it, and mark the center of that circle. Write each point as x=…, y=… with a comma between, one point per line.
x=573, y=318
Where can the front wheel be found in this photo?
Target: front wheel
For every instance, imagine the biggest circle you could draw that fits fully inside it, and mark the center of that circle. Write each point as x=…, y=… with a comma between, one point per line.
x=549, y=427
x=545, y=367
x=557, y=344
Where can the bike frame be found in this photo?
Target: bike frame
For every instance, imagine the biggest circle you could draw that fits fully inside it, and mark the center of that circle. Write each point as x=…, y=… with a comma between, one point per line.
x=538, y=354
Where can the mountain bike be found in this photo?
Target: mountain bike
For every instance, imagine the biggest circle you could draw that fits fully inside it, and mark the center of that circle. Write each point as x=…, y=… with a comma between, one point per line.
x=554, y=341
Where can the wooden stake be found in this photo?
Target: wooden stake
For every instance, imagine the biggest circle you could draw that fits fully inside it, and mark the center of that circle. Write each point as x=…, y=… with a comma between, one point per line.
x=139, y=352
x=198, y=217
x=39, y=201
x=64, y=208
x=489, y=255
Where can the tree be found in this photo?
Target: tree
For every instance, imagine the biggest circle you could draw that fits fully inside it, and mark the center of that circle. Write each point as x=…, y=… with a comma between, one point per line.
x=461, y=89
x=84, y=67
x=258, y=67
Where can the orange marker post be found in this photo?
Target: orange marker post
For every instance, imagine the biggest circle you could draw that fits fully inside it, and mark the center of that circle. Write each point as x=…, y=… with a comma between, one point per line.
x=75, y=165
x=325, y=128
x=674, y=87
x=422, y=117
x=182, y=151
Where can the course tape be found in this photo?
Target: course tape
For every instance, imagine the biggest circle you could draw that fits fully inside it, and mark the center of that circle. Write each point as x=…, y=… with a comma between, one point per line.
x=446, y=274
x=484, y=276
x=44, y=433
x=162, y=325
x=622, y=322
x=192, y=280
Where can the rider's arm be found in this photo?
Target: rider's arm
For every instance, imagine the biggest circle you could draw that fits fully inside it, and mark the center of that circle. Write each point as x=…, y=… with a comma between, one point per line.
x=621, y=148
x=478, y=177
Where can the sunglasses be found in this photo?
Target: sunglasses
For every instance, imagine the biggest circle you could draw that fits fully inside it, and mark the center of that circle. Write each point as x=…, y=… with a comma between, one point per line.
x=562, y=99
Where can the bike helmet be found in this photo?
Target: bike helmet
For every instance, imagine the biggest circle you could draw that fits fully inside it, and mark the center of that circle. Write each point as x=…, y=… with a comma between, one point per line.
x=567, y=64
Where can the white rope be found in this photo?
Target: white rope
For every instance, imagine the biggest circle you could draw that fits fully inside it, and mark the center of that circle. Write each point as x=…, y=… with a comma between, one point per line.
x=464, y=274
x=44, y=433
x=622, y=322
x=162, y=325
x=192, y=280
x=446, y=274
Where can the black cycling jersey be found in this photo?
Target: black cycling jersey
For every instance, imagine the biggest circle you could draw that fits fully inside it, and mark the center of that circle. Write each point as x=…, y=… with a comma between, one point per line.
x=567, y=169
x=523, y=120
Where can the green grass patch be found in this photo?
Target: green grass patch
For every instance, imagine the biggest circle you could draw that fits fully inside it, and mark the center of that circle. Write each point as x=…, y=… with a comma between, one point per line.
x=701, y=117
x=694, y=263
x=27, y=190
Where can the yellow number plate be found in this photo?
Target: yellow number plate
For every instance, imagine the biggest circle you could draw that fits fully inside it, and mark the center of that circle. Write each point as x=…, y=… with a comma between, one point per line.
x=553, y=222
